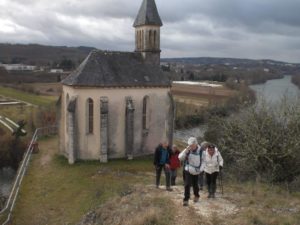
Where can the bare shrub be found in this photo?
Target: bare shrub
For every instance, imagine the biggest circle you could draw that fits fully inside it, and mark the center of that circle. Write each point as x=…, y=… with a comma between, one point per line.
x=261, y=142
x=11, y=151
x=296, y=80
x=295, y=185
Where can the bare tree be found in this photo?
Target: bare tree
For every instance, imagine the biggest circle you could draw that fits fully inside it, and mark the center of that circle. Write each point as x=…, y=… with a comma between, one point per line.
x=262, y=141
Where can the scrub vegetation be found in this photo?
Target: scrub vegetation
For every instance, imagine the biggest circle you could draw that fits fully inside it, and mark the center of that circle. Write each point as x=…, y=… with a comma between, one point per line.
x=262, y=142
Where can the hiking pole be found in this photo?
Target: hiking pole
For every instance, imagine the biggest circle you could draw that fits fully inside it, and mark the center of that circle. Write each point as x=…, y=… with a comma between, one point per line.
x=221, y=182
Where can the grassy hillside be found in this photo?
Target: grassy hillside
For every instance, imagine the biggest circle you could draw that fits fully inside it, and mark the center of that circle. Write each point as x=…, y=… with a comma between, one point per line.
x=121, y=192
x=56, y=193
x=26, y=97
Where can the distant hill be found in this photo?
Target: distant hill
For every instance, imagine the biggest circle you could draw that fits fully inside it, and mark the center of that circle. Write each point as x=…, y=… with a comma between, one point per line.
x=34, y=54
x=42, y=55
x=225, y=61
x=241, y=64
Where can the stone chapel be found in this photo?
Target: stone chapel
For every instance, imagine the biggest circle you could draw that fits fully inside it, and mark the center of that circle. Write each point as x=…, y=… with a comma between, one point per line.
x=118, y=104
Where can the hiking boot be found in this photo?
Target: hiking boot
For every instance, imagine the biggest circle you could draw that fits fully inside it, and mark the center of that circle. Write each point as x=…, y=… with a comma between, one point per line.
x=185, y=203
x=169, y=189
x=157, y=186
x=196, y=199
x=201, y=188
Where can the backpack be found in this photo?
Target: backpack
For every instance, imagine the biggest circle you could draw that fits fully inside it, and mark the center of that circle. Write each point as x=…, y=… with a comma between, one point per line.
x=194, y=170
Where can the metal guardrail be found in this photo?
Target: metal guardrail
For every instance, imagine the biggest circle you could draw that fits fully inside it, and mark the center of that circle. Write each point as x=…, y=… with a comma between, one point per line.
x=10, y=203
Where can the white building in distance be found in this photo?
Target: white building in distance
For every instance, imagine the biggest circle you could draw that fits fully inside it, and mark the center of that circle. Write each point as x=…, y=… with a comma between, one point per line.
x=18, y=67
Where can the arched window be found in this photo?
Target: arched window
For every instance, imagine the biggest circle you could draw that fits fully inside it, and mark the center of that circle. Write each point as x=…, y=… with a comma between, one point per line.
x=150, y=39
x=67, y=100
x=90, y=116
x=146, y=112
x=154, y=41
x=140, y=40
x=67, y=118
x=143, y=40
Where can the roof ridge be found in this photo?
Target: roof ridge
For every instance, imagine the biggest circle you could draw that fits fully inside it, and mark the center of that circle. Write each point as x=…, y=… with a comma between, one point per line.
x=148, y=14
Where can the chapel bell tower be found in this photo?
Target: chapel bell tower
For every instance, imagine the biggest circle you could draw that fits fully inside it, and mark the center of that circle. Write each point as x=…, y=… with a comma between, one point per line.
x=147, y=32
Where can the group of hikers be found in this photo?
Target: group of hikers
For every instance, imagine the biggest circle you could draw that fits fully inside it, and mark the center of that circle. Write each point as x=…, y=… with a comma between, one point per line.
x=197, y=161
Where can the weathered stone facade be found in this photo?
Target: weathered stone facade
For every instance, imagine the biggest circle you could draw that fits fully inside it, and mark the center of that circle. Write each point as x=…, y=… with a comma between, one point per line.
x=118, y=104
x=118, y=127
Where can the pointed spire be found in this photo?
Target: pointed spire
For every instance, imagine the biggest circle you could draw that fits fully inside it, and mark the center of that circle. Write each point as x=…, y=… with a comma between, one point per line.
x=148, y=14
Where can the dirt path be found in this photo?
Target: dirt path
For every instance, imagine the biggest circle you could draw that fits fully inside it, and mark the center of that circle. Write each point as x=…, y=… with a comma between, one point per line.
x=205, y=207
x=47, y=152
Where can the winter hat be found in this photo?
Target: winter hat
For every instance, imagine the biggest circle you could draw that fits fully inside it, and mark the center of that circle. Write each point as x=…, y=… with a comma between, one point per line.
x=192, y=140
x=204, y=144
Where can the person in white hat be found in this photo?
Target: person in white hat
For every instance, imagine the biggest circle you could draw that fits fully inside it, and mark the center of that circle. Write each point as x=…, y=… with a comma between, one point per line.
x=192, y=158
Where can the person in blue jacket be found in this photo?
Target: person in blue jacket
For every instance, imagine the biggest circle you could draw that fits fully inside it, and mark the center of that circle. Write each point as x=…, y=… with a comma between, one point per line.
x=162, y=162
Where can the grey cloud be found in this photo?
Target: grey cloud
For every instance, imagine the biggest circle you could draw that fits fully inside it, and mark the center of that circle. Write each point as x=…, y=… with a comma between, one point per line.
x=232, y=28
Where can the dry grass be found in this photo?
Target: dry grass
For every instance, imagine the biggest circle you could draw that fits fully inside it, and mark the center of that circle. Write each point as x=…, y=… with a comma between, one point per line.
x=191, y=99
x=138, y=208
x=54, y=192
x=53, y=89
x=198, y=90
x=27, y=97
x=262, y=204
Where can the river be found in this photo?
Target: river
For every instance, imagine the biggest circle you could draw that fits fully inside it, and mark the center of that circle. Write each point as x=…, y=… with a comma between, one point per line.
x=272, y=91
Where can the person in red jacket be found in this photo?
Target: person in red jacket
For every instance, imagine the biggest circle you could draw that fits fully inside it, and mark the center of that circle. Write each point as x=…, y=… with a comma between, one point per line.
x=174, y=164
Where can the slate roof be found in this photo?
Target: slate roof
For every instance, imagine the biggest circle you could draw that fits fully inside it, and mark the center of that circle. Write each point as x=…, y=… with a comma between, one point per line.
x=148, y=14
x=116, y=69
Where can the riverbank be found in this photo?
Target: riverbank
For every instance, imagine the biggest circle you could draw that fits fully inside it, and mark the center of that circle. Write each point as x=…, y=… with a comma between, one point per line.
x=270, y=91
x=92, y=193
x=296, y=80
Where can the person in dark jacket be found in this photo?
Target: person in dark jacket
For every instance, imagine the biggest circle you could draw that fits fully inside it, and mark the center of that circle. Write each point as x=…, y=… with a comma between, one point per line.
x=162, y=162
x=174, y=164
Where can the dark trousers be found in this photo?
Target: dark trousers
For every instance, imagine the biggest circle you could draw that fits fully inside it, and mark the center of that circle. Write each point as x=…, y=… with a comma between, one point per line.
x=173, y=176
x=190, y=181
x=211, y=180
x=167, y=174
x=201, y=180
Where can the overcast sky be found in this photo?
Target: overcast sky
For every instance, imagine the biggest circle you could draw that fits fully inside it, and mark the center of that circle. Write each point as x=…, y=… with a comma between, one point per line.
x=217, y=28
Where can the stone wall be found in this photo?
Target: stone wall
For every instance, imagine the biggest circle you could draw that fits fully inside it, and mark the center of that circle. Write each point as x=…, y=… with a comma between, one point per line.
x=144, y=142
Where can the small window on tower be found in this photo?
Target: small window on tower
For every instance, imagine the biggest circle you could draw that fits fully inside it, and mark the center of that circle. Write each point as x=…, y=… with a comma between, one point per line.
x=146, y=113
x=150, y=39
x=90, y=113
